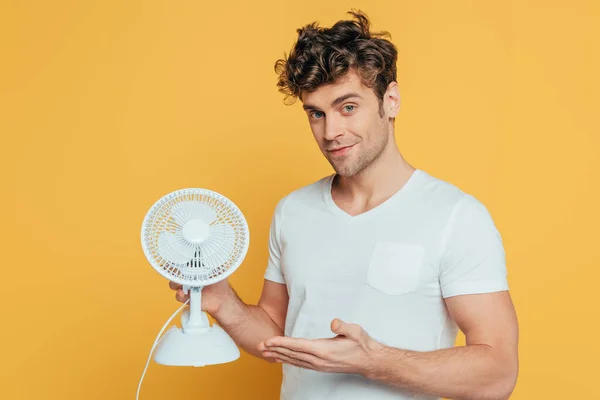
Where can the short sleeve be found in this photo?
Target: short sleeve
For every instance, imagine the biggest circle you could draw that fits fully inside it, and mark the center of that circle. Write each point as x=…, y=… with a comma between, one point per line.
x=274, y=271
x=473, y=258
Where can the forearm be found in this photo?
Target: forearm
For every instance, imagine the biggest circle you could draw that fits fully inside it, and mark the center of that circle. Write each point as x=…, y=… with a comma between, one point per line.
x=248, y=325
x=474, y=372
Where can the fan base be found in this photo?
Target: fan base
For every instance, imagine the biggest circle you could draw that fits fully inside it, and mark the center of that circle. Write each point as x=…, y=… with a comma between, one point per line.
x=196, y=349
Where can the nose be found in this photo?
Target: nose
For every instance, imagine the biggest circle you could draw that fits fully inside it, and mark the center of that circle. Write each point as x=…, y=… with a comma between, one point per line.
x=333, y=128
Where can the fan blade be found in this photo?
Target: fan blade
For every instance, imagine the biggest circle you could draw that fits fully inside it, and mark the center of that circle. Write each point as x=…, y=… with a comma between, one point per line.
x=218, y=248
x=187, y=210
x=224, y=233
x=173, y=249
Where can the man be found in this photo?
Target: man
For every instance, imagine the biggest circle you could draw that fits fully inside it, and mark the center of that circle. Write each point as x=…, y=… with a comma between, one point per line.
x=373, y=269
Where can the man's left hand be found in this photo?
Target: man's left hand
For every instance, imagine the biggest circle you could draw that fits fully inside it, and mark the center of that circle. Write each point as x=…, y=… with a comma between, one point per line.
x=351, y=351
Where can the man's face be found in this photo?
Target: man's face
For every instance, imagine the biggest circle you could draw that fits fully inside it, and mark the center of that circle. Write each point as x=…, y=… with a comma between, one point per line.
x=346, y=122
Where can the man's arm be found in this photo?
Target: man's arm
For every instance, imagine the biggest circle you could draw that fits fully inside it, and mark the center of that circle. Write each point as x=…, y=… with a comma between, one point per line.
x=248, y=325
x=485, y=369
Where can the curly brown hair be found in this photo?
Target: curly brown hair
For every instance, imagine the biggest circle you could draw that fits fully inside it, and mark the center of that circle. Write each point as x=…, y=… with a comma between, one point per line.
x=323, y=55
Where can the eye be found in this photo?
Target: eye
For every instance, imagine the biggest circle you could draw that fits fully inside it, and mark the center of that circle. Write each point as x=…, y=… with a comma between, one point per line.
x=349, y=108
x=317, y=114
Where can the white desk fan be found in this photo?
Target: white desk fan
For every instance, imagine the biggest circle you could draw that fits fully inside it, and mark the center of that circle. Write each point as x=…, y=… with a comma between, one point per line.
x=194, y=237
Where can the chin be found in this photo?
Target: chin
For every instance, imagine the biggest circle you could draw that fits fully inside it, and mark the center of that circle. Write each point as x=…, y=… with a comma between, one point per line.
x=347, y=166
x=345, y=170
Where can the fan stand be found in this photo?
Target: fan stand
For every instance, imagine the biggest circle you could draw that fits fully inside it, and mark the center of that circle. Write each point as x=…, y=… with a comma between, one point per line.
x=197, y=343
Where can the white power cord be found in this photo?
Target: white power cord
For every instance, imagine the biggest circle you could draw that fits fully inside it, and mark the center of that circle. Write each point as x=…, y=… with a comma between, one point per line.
x=156, y=342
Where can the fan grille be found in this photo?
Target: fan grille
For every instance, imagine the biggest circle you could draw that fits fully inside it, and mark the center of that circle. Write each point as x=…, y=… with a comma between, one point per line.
x=185, y=262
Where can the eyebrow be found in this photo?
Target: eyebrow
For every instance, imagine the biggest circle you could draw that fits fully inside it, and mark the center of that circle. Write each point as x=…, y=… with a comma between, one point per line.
x=335, y=102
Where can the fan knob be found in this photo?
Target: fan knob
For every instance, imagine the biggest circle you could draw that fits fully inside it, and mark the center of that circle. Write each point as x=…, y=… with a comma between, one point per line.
x=196, y=231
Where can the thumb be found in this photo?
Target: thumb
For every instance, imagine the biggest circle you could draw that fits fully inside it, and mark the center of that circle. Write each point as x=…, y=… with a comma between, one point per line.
x=351, y=331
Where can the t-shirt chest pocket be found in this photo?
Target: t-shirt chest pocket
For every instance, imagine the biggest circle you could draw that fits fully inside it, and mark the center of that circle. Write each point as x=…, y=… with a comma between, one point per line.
x=395, y=267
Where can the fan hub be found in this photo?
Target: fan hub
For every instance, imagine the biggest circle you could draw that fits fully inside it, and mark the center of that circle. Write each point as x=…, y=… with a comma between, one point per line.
x=196, y=231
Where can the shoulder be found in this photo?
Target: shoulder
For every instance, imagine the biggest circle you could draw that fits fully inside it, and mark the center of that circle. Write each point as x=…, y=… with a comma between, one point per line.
x=439, y=194
x=466, y=220
x=310, y=195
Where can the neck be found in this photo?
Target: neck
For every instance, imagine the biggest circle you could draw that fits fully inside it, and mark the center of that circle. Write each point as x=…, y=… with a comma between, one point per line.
x=379, y=181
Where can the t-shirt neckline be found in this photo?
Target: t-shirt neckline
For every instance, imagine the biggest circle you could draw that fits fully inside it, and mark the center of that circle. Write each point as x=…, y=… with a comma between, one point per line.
x=375, y=210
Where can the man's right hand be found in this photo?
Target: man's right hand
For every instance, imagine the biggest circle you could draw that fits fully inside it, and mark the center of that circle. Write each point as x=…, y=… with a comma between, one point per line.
x=212, y=295
x=248, y=325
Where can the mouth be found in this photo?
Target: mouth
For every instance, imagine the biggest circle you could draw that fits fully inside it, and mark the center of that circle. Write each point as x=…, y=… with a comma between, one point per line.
x=340, y=151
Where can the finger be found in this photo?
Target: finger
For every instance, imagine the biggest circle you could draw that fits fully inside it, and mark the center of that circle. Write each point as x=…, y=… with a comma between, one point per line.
x=297, y=355
x=181, y=296
x=303, y=345
x=352, y=331
x=293, y=361
x=174, y=286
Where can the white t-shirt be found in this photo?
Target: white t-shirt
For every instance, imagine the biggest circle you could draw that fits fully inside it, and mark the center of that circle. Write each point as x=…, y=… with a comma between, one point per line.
x=388, y=270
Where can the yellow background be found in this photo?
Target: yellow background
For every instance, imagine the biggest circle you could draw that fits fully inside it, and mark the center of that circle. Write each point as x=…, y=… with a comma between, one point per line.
x=105, y=106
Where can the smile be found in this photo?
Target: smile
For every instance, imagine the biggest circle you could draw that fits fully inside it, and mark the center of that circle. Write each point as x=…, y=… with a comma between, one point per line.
x=340, y=151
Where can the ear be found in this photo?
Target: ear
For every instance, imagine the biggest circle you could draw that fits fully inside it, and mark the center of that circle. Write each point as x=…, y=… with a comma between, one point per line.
x=391, y=99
